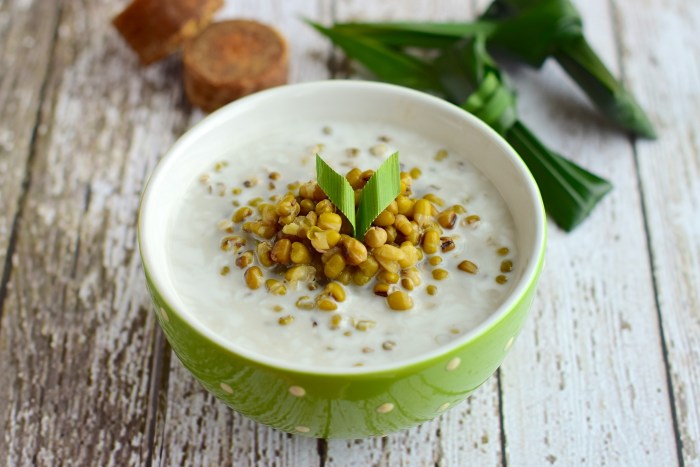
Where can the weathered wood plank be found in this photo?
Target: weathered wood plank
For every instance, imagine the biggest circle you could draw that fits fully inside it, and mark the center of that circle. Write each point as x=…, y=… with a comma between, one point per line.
x=27, y=32
x=77, y=334
x=661, y=60
x=470, y=433
x=586, y=384
x=193, y=427
x=466, y=435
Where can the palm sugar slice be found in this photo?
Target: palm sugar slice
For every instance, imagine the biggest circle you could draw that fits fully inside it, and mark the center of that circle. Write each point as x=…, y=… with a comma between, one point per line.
x=156, y=28
x=232, y=59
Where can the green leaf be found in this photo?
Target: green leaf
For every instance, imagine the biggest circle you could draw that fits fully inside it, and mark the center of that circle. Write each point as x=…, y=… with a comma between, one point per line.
x=416, y=34
x=579, y=60
x=388, y=64
x=337, y=188
x=466, y=75
x=471, y=79
x=534, y=29
x=379, y=191
x=531, y=31
x=569, y=192
x=462, y=68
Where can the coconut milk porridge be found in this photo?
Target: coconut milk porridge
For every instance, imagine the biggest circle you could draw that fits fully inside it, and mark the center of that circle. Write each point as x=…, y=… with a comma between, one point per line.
x=452, y=291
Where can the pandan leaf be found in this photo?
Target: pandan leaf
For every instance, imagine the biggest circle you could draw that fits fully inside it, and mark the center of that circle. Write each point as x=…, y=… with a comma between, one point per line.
x=337, y=188
x=379, y=191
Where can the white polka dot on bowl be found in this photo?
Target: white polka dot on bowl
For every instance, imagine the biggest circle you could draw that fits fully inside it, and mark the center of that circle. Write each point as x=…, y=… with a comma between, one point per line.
x=453, y=364
x=509, y=344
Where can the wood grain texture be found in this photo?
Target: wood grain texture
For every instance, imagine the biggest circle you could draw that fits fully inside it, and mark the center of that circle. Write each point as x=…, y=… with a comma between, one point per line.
x=607, y=368
x=468, y=434
x=77, y=334
x=471, y=432
x=197, y=429
x=661, y=60
x=27, y=31
x=588, y=371
x=194, y=428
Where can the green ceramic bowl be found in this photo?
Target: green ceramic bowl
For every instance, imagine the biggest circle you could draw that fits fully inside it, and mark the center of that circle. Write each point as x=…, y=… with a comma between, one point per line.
x=347, y=402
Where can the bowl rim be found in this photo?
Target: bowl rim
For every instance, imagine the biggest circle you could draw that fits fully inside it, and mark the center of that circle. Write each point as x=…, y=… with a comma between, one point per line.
x=525, y=283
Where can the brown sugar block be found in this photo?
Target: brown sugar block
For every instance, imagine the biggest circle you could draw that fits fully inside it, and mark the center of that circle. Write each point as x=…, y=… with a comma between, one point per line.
x=156, y=28
x=232, y=59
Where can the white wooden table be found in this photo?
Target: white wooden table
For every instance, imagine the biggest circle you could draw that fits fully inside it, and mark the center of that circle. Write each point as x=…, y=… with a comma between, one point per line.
x=606, y=371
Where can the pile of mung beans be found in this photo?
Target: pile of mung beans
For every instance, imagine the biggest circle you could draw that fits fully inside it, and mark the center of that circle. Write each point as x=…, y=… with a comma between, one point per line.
x=301, y=239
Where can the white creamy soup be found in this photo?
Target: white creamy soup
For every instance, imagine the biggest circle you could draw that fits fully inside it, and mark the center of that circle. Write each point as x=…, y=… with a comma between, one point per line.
x=363, y=330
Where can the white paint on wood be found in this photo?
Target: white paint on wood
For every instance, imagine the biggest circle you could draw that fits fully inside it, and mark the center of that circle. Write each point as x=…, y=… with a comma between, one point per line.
x=26, y=36
x=467, y=434
x=661, y=59
x=587, y=373
x=77, y=331
x=584, y=383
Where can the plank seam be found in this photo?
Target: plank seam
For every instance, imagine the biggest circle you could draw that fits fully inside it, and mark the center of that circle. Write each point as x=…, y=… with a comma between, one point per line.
x=153, y=394
x=26, y=182
x=322, y=450
x=159, y=379
x=501, y=420
x=657, y=306
x=165, y=383
x=615, y=15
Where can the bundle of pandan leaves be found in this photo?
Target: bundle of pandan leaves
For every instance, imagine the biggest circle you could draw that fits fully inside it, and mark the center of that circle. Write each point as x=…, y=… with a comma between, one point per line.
x=462, y=70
